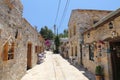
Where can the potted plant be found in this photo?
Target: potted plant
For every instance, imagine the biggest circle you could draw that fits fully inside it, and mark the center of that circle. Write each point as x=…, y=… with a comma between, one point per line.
x=99, y=72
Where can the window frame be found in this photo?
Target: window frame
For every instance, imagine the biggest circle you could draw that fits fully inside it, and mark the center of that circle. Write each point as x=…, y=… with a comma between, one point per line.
x=91, y=52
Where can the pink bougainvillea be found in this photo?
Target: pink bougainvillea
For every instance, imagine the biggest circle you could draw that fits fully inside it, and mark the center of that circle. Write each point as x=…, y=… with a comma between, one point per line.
x=48, y=43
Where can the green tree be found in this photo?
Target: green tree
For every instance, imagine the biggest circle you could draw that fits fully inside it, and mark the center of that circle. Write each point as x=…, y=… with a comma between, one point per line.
x=46, y=33
x=64, y=34
x=57, y=43
x=61, y=35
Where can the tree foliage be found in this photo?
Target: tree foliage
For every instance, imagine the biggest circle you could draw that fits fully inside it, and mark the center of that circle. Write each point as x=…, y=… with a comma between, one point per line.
x=46, y=33
x=64, y=34
x=57, y=43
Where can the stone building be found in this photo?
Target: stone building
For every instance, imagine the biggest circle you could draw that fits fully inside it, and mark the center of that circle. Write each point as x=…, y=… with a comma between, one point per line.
x=80, y=20
x=64, y=47
x=34, y=42
x=19, y=41
x=102, y=46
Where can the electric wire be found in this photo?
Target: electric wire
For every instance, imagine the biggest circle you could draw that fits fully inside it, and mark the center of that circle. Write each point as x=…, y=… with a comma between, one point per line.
x=56, y=17
x=57, y=11
x=64, y=13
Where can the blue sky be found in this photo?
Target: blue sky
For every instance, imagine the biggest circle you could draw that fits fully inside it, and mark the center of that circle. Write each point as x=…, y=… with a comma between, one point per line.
x=43, y=12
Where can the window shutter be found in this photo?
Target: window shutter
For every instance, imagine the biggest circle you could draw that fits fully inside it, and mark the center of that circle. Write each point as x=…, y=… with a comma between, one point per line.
x=5, y=52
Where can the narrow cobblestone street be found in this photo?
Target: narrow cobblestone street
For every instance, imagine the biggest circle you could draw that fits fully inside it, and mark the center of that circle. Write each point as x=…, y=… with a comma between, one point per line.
x=54, y=67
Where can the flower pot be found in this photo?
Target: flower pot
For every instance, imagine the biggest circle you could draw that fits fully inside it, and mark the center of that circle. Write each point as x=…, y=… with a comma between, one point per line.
x=98, y=77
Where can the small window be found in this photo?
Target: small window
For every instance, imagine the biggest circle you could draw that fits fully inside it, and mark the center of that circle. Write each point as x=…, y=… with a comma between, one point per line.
x=39, y=49
x=91, y=52
x=11, y=51
x=8, y=51
x=74, y=30
x=16, y=34
x=95, y=21
x=72, y=51
x=36, y=49
x=76, y=51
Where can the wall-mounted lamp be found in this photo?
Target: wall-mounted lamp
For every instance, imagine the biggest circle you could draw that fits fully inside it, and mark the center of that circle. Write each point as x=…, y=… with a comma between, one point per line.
x=94, y=42
x=114, y=34
x=110, y=25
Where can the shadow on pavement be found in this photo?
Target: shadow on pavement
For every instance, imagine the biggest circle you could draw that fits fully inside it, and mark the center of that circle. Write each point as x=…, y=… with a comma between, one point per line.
x=85, y=72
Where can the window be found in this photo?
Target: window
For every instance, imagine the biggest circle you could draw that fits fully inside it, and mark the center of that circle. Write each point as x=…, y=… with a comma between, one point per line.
x=36, y=49
x=40, y=49
x=11, y=51
x=76, y=51
x=91, y=52
x=16, y=34
x=72, y=51
x=8, y=51
x=74, y=29
x=95, y=21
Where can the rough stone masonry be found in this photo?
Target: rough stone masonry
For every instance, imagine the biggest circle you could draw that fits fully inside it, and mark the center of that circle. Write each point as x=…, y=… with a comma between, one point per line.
x=19, y=41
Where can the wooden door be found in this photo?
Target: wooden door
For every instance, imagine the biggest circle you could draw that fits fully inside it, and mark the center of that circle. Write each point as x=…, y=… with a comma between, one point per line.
x=29, y=56
x=115, y=57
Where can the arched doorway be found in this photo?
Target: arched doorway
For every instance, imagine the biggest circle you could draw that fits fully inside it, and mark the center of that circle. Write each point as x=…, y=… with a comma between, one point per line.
x=115, y=59
x=29, y=56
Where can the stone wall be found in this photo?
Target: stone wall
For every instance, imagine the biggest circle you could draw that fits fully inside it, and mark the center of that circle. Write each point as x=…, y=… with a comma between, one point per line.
x=81, y=20
x=14, y=28
x=33, y=37
x=102, y=35
x=64, y=47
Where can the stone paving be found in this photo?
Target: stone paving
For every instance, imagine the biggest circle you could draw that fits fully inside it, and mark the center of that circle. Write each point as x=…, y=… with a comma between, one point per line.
x=55, y=67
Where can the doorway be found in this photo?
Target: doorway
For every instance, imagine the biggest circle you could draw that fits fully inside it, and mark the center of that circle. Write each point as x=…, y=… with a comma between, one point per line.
x=81, y=58
x=115, y=59
x=29, y=56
